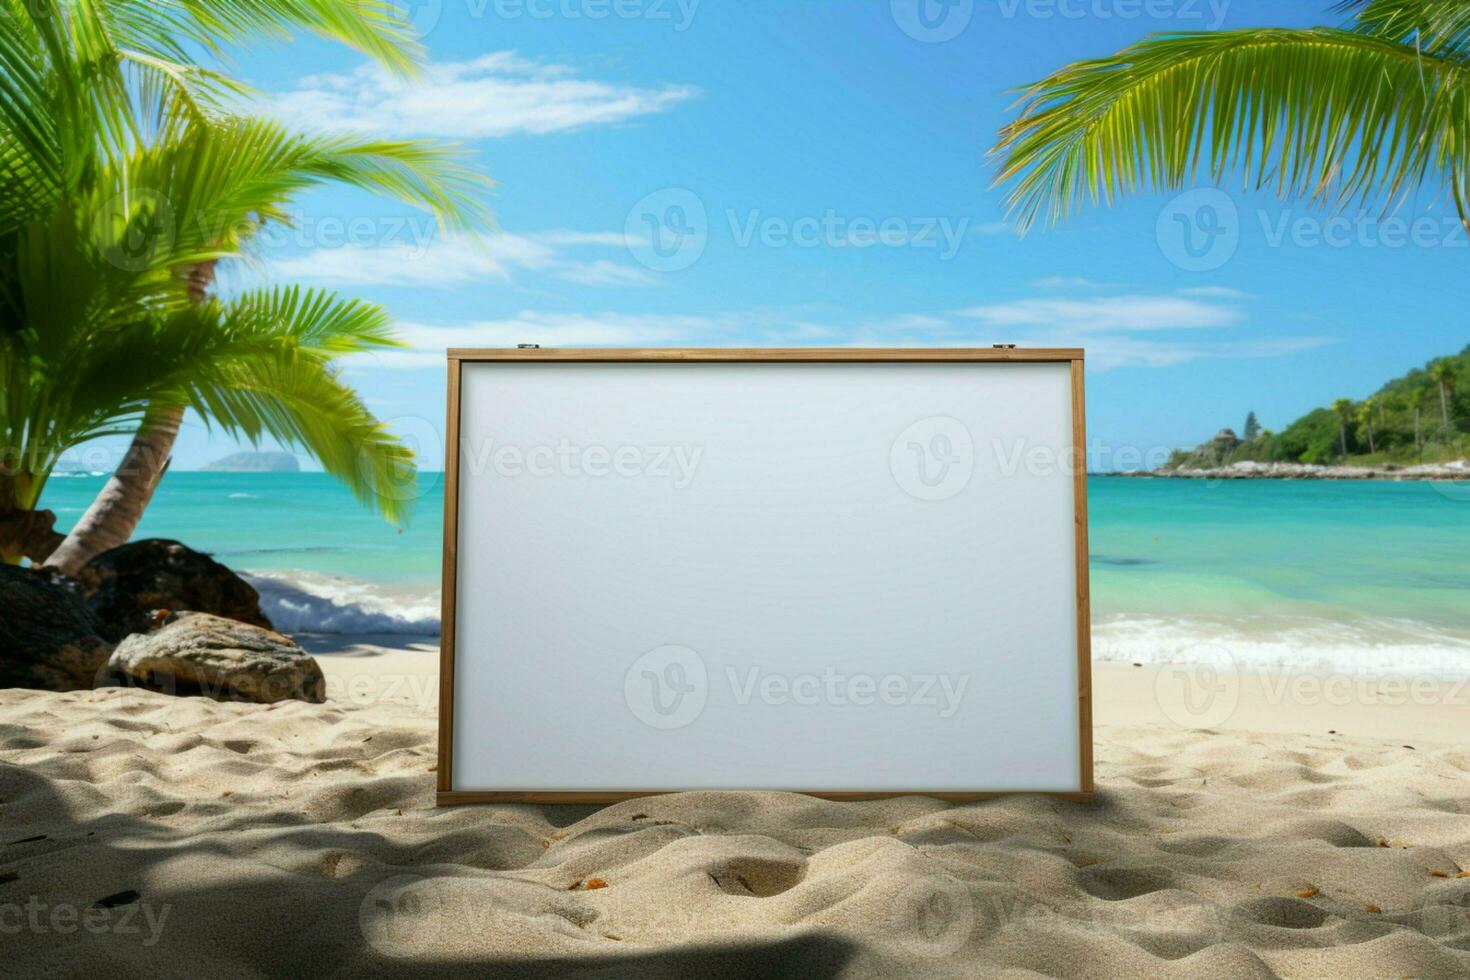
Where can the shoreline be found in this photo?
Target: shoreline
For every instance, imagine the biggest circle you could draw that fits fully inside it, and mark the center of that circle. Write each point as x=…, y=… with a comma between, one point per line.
x=1457, y=471
x=369, y=669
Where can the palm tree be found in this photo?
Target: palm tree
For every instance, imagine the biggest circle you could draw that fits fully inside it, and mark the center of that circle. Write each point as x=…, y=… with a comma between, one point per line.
x=1364, y=113
x=1416, y=402
x=124, y=183
x=1343, y=409
x=1365, y=421
x=1443, y=376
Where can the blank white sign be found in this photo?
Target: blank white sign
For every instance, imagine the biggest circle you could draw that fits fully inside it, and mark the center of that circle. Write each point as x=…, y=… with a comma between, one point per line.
x=827, y=577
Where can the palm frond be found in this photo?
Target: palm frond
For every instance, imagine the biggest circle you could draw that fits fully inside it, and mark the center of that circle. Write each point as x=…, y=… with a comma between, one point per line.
x=1332, y=115
x=377, y=28
x=219, y=181
x=1436, y=26
x=275, y=374
x=304, y=403
x=265, y=364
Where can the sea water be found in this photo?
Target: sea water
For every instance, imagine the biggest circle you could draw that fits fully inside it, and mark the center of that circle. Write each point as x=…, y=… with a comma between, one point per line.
x=1359, y=575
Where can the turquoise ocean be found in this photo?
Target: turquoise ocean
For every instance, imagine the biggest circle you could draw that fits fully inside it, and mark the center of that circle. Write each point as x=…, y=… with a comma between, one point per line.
x=1367, y=576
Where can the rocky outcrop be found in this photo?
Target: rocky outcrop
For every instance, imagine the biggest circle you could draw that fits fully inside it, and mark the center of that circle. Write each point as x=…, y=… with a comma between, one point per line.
x=49, y=639
x=1251, y=470
x=125, y=586
x=197, y=654
x=255, y=462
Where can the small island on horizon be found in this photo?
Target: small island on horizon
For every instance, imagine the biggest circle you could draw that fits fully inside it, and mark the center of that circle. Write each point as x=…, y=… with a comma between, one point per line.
x=254, y=462
x=1412, y=428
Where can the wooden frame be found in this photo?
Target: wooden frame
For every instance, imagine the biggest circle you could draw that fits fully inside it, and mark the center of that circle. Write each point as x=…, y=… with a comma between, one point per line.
x=446, y=795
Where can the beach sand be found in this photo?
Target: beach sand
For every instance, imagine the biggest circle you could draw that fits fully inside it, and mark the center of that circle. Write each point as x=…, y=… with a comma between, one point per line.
x=1301, y=836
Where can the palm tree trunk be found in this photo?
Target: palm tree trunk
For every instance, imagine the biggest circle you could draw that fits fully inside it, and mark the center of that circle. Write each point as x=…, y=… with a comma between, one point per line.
x=1444, y=411
x=1418, y=443
x=1371, y=447
x=1342, y=436
x=118, y=507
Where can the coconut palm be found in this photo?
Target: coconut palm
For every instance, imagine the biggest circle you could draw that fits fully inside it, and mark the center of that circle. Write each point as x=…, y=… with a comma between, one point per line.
x=1365, y=422
x=124, y=182
x=1442, y=373
x=1363, y=114
x=1343, y=409
x=1416, y=402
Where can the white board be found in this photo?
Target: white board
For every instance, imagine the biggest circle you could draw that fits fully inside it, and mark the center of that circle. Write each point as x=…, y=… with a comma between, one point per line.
x=835, y=577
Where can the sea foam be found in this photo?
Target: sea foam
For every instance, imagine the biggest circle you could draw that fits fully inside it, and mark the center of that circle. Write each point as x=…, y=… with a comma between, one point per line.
x=1366, y=647
x=303, y=602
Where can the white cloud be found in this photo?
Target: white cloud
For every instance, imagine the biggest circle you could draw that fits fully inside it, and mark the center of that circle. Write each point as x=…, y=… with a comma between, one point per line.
x=1105, y=313
x=428, y=343
x=447, y=262
x=1106, y=349
x=1214, y=292
x=1064, y=282
x=497, y=94
x=603, y=272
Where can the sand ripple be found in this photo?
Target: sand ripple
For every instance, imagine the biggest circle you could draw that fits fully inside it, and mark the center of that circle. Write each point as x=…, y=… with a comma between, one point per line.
x=148, y=836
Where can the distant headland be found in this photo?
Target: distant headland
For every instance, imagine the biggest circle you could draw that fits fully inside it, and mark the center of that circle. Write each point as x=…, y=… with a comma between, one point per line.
x=1416, y=427
x=255, y=462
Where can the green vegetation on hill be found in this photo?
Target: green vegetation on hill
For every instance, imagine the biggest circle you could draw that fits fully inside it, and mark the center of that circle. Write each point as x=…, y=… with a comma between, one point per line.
x=1423, y=416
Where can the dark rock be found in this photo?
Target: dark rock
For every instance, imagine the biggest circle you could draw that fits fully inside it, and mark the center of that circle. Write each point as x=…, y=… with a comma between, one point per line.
x=49, y=639
x=197, y=654
x=125, y=586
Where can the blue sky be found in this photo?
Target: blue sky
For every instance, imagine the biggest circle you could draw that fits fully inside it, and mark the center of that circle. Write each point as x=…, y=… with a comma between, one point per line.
x=816, y=171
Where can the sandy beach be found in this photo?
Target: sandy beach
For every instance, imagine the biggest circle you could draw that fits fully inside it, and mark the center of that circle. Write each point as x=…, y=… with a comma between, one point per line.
x=142, y=835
